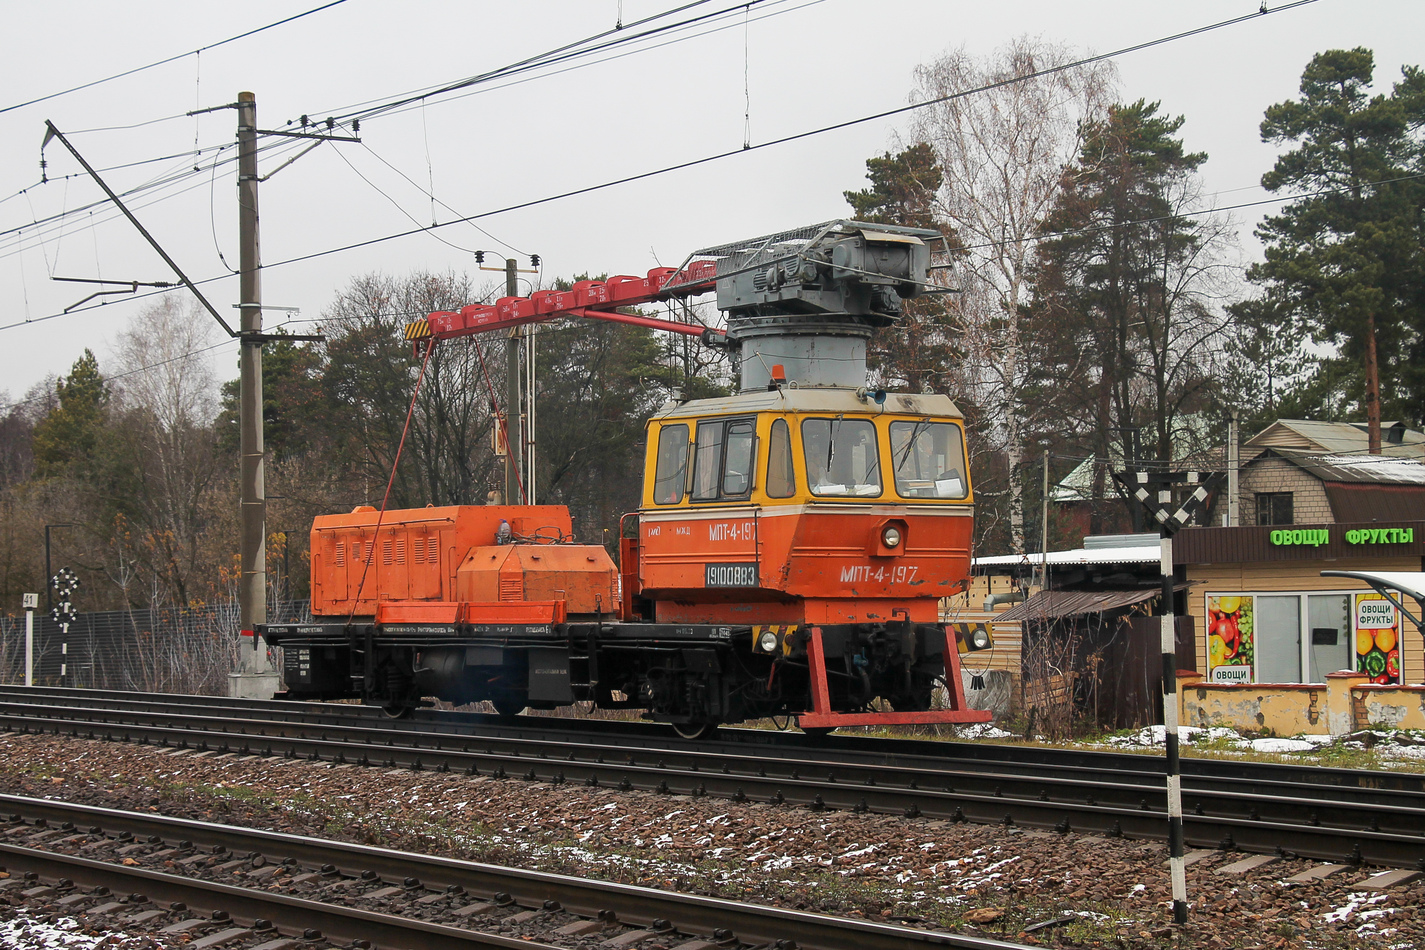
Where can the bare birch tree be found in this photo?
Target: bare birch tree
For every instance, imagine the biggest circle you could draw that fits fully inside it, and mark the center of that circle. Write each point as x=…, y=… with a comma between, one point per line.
x=164, y=442
x=1004, y=128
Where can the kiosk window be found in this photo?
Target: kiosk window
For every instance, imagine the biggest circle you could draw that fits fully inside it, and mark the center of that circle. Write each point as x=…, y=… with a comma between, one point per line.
x=671, y=471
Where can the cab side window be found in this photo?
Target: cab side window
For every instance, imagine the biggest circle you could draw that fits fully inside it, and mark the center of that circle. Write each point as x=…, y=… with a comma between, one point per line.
x=737, y=465
x=707, y=461
x=781, y=479
x=670, y=473
x=723, y=460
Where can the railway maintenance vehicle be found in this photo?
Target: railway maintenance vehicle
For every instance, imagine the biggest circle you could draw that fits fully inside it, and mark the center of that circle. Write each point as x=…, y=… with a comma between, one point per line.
x=788, y=557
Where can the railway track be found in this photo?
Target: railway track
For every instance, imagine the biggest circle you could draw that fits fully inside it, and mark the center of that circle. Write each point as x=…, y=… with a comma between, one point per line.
x=252, y=885
x=1333, y=815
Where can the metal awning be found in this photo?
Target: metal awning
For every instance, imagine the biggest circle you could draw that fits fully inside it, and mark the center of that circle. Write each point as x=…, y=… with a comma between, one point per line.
x=1054, y=604
x=1390, y=583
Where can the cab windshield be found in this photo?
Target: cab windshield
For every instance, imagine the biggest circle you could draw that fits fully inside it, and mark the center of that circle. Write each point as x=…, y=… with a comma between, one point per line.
x=928, y=459
x=841, y=457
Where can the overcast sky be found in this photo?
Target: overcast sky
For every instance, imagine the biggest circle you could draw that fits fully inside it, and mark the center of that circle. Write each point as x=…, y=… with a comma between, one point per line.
x=795, y=65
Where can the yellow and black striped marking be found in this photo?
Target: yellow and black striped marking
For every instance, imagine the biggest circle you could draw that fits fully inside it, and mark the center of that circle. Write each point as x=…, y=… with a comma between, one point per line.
x=420, y=330
x=964, y=636
x=784, y=632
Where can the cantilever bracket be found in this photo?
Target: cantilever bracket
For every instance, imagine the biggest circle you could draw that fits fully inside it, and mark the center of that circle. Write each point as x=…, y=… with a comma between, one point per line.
x=131, y=285
x=54, y=133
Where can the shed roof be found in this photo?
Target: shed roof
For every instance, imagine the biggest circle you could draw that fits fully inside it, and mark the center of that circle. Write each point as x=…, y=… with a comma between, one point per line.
x=1135, y=554
x=1053, y=604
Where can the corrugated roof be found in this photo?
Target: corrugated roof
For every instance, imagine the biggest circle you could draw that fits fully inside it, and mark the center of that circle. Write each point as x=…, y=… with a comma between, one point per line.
x=1137, y=554
x=1053, y=604
x=1376, y=503
x=1376, y=469
x=1335, y=438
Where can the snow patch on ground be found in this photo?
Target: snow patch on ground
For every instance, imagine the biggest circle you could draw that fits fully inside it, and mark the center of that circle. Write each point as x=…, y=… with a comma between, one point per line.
x=1351, y=905
x=24, y=932
x=982, y=730
x=1281, y=745
x=1406, y=744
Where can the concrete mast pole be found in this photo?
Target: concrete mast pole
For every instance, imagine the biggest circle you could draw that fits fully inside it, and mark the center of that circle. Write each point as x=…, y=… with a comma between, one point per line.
x=255, y=677
x=514, y=441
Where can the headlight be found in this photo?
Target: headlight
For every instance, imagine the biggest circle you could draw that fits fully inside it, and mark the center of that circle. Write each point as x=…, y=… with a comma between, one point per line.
x=891, y=536
x=767, y=643
x=980, y=639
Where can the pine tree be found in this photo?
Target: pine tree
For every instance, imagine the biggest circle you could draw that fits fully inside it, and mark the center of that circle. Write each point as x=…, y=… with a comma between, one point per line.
x=66, y=438
x=1348, y=256
x=1125, y=284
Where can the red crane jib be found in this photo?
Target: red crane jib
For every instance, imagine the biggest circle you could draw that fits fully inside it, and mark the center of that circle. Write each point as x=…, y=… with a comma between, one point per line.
x=595, y=299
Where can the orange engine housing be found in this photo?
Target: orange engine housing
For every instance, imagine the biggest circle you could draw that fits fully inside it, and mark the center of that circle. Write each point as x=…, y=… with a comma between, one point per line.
x=451, y=555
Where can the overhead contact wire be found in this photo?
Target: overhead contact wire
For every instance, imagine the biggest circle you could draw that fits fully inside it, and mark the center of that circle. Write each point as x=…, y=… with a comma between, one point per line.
x=692, y=163
x=171, y=59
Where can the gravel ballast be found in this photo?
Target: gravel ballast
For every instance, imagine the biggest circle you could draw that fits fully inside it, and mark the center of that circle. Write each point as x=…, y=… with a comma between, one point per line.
x=983, y=880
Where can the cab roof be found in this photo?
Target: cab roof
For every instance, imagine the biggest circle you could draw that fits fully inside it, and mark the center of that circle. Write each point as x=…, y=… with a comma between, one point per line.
x=810, y=400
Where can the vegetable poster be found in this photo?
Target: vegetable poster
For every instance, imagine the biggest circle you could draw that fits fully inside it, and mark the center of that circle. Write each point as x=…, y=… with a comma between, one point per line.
x=1377, y=639
x=1230, y=643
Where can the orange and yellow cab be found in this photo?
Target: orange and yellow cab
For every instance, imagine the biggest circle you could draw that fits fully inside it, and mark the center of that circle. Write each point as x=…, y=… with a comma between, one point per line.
x=813, y=506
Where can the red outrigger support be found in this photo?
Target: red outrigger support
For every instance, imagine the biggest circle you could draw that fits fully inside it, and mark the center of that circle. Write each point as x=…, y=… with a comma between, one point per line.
x=822, y=717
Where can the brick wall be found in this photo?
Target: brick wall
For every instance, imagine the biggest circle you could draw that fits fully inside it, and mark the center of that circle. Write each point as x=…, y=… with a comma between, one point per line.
x=1309, y=502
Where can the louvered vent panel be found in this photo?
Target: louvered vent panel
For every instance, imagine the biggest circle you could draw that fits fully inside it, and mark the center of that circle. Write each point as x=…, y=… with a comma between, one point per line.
x=512, y=588
x=340, y=554
x=400, y=550
x=433, y=550
x=386, y=557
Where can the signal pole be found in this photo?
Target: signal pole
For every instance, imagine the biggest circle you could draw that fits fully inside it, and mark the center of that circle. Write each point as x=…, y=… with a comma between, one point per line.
x=514, y=442
x=255, y=678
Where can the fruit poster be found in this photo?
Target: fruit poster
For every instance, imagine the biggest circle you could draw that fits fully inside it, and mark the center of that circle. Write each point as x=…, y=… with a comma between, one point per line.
x=1230, y=644
x=1377, y=639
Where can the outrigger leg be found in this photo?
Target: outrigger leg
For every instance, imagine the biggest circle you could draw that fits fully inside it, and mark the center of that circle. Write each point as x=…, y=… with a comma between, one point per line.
x=822, y=716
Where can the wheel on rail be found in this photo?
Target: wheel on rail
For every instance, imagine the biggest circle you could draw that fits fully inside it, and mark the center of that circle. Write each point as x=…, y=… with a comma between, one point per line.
x=694, y=730
x=398, y=710
x=508, y=706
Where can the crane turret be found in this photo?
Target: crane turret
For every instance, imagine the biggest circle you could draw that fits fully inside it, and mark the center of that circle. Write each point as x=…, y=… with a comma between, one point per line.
x=807, y=300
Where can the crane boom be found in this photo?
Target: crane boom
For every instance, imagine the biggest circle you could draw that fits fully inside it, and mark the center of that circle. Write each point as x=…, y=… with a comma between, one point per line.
x=592, y=299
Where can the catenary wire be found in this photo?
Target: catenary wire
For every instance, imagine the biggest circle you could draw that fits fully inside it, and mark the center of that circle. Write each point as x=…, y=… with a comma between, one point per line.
x=558, y=54
x=396, y=204
x=153, y=184
x=792, y=138
x=830, y=128
x=171, y=59
x=494, y=73
x=503, y=71
x=432, y=197
x=711, y=29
